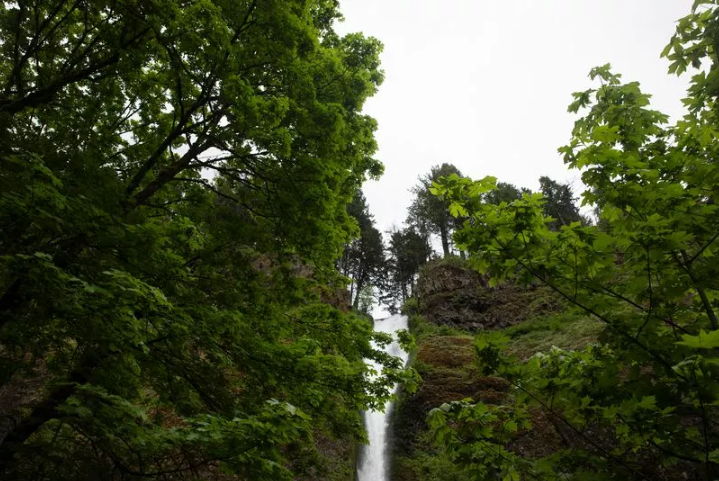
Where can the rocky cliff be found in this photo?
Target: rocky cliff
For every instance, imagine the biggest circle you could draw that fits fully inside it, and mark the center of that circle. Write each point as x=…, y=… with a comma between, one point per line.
x=451, y=294
x=453, y=303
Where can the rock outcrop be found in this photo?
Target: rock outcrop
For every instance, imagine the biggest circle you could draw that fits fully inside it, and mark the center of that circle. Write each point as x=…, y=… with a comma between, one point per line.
x=452, y=294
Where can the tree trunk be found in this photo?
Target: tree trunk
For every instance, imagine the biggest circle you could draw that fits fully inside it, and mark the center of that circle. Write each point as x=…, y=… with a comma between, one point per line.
x=9, y=299
x=40, y=414
x=360, y=284
x=444, y=234
x=687, y=266
x=352, y=291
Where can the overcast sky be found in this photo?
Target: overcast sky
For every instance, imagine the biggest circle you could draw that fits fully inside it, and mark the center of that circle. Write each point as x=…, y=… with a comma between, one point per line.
x=485, y=84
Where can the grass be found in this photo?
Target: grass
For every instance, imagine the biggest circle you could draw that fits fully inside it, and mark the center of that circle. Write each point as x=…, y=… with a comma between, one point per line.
x=422, y=329
x=565, y=330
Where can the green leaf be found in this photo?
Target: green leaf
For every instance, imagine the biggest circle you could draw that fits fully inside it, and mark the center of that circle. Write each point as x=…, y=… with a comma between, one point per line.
x=703, y=340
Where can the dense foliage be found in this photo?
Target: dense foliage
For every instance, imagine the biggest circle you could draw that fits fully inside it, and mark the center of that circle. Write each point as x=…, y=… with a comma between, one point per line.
x=559, y=200
x=643, y=403
x=174, y=179
x=181, y=211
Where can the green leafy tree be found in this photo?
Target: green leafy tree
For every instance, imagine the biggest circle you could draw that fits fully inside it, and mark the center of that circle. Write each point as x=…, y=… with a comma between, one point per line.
x=430, y=214
x=642, y=403
x=366, y=300
x=363, y=260
x=174, y=179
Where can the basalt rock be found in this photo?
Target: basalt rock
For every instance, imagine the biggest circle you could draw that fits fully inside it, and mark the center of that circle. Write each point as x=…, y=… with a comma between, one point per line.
x=452, y=294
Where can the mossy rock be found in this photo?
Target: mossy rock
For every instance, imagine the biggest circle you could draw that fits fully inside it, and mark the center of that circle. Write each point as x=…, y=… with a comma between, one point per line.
x=450, y=293
x=445, y=358
x=476, y=309
x=447, y=351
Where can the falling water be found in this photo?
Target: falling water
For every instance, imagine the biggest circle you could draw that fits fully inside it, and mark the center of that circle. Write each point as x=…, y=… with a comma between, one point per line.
x=373, y=460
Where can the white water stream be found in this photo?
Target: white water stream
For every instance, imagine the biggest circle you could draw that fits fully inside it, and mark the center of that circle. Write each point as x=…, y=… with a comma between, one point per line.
x=373, y=459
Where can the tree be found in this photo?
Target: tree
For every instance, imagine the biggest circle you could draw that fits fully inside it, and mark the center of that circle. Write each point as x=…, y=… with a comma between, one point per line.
x=428, y=213
x=505, y=192
x=559, y=202
x=363, y=260
x=366, y=300
x=644, y=398
x=173, y=187
x=408, y=252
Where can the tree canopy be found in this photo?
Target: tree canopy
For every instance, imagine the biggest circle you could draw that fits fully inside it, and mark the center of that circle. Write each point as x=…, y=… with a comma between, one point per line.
x=174, y=179
x=644, y=398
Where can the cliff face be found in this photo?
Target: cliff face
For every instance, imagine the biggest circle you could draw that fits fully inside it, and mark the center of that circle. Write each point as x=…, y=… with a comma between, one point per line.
x=453, y=295
x=446, y=365
x=454, y=303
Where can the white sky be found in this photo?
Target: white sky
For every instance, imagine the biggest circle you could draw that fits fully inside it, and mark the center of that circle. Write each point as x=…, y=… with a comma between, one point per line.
x=485, y=84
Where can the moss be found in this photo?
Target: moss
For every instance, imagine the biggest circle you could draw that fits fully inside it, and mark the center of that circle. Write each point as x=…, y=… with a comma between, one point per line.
x=565, y=330
x=454, y=352
x=423, y=329
x=410, y=307
x=445, y=359
x=446, y=364
x=454, y=262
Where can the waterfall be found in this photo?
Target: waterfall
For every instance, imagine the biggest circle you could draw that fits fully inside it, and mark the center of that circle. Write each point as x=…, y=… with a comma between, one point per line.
x=373, y=459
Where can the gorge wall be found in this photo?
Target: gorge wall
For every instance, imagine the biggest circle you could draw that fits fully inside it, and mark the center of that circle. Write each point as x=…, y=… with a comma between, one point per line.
x=454, y=303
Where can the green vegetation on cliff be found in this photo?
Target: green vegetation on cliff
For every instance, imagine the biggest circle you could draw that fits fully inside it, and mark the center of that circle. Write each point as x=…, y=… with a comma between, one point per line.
x=188, y=264
x=641, y=403
x=446, y=357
